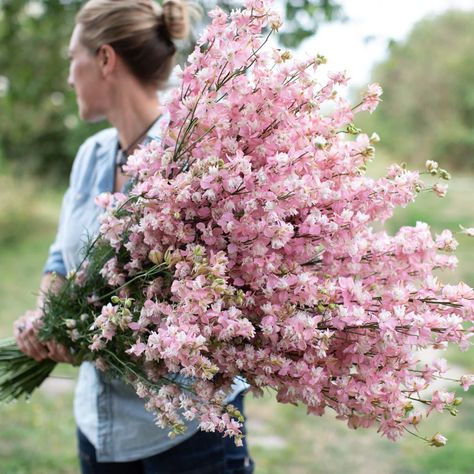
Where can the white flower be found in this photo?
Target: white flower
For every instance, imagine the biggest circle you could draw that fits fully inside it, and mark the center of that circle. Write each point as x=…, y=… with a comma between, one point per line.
x=431, y=166
x=468, y=231
x=438, y=440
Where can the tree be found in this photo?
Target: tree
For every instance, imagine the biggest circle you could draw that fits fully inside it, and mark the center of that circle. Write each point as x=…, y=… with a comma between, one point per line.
x=39, y=128
x=301, y=17
x=428, y=102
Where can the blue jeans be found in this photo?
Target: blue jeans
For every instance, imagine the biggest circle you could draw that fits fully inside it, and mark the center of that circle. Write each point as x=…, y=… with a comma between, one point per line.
x=202, y=453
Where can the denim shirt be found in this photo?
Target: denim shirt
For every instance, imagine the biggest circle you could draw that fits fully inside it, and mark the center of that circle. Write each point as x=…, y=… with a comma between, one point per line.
x=108, y=412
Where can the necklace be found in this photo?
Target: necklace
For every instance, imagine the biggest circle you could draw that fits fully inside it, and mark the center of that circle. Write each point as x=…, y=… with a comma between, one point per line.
x=122, y=155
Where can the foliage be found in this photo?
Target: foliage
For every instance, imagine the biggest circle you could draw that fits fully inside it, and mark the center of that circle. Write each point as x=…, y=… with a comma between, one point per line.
x=257, y=218
x=304, y=17
x=32, y=440
x=428, y=81
x=20, y=213
x=39, y=128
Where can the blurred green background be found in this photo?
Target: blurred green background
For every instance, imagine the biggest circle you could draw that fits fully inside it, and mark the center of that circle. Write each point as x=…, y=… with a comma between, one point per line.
x=427, y=113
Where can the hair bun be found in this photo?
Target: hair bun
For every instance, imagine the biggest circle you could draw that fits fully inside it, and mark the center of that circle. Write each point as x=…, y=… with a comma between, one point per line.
x=176, y=19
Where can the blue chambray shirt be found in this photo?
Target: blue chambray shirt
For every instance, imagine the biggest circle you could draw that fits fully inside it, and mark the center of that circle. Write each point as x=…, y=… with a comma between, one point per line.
x=108, y=412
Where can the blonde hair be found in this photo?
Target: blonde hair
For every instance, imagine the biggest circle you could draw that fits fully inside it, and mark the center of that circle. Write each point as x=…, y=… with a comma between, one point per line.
x=140, y=31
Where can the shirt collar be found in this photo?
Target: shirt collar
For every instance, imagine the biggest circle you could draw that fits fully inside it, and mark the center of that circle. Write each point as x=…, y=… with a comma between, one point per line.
x=107, y=141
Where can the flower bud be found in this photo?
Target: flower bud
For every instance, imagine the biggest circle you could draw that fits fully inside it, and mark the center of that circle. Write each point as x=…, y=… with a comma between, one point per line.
x=444, y=175
x=285, y=56
x=235, y=413
x=70, y=275
x=198, y=251
x=352, y=129
x=468, y=231
x=374, y=138
x=457, y=401
x=369, y=152
x=115, y=299
x=438, y=440
x=275, y=22
x=218, y=285
x=70, y=323
x=172, y=257
x=155, y=256
x=431, y=166
x=320, y=59
x=415, y=419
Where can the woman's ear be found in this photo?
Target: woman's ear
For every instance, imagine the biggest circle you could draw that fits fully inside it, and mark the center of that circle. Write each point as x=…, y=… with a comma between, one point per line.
x=107, y=59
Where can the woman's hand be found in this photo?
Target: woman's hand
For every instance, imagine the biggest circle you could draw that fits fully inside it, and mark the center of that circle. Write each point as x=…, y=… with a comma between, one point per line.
x=26, y=331
x=60, y=353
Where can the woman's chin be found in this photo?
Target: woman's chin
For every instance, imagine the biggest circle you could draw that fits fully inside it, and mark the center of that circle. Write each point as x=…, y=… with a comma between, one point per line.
x=90, y=116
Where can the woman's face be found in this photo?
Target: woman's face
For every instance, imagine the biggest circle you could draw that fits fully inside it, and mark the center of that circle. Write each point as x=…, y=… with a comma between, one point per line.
x=85, y=77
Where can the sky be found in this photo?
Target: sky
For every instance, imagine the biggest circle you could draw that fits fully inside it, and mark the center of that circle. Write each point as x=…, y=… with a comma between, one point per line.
x=359, y=43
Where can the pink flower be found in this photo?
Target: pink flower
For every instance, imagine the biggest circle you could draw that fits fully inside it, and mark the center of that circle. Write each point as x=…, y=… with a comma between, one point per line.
x=371, y=97
x=137, y=349
x=104, y=200
x=440, y=189
x=252, y=245
x=466, y=381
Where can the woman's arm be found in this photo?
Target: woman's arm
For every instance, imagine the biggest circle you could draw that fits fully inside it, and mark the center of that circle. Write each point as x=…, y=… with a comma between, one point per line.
x=27, y=327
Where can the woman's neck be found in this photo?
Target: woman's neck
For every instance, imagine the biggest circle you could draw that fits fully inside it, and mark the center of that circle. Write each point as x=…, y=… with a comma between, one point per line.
x=132, y=113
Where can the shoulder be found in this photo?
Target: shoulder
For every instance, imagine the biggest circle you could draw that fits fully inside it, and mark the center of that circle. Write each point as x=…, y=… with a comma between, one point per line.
x=92, y=150
x=102, y=138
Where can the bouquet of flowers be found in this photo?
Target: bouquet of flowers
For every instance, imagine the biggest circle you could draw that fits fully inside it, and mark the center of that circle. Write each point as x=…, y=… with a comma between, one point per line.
x=250, y=246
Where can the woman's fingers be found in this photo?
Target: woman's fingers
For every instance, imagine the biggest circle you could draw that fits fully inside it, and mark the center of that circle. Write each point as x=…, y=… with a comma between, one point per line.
x=29, y=344
x=26, y=335
x=59, y=353
x=34, y=348
x=26, y=331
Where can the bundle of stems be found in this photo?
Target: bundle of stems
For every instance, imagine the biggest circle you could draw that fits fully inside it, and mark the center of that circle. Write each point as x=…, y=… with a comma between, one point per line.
x=20, y=375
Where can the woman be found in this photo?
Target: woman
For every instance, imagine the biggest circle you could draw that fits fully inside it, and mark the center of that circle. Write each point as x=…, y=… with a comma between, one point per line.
x=121, y=52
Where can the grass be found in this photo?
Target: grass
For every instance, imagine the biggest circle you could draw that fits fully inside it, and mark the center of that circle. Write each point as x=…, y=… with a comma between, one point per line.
x=284, y=440
x=35, y=436
x=38, y=436
x=28, y=224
